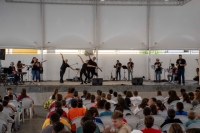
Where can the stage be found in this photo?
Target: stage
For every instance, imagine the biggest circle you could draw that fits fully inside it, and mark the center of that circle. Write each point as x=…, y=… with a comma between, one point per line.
x=41, y=93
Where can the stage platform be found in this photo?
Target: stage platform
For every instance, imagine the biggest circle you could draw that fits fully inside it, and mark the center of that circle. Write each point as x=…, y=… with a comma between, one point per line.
x=41, y=93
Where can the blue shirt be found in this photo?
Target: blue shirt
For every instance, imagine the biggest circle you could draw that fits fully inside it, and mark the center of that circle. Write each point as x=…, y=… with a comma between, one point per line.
x=98, y=120
x=181, y=113
x=186, y=124
x=106, y=113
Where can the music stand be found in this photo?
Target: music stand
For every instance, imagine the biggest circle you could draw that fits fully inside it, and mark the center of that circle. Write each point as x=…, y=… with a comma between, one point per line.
x=124, y=67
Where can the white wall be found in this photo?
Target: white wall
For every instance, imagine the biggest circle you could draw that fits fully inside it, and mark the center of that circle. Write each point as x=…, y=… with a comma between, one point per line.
x=19, y=25
x=176, y=27
x=106, y=62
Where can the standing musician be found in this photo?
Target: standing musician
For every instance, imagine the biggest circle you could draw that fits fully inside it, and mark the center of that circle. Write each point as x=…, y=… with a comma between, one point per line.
x=63, y=68
x=181, y=63
x=158, y=70
x=118, y=67
x=172, y=73
x=12, y=72
x=20, y=66
x=130, y=66
x=84, y=69
x=35, y=71
x=92, y=69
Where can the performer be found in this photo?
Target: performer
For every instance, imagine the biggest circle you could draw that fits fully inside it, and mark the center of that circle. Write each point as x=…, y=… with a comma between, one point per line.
x=35, y=72
x=92, y=69
x=84, y=70
x=12, y=72
x=63, y=68
x=20, y=66
x=172, y=74
x=181, y=63
x=158, y=70
x=196, y=78
x=118, y=67
x=130, y=66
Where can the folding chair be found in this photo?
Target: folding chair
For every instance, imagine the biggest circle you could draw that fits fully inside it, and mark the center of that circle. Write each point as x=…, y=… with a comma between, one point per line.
x=163, y=113
x=197, y=109
x=101, y=127
x=136, y=101
x=132, y=120
x=166, y=127
x=161, y=98
x=187, y=106
x=77, y=121
x=67, y=128
x=194, y=125
x=106, y=120
x=89, y=105
x=86, y=102
x=140, y=114
x=142, y=126
x=183, y=118
x=127, y=112
x=27, y=105
x=158, y=119
x=9, y=125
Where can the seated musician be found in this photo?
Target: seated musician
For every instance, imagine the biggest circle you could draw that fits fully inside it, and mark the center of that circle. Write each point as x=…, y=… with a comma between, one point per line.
x=196, y=78
x=12, y=72
x=172, y=74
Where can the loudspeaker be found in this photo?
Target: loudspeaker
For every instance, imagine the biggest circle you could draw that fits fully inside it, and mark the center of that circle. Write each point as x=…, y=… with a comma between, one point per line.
x=137, y=81
x=2, y=54
x=97, y=81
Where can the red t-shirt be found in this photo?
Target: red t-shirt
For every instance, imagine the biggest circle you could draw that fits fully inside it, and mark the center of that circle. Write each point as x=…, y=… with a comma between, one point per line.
x=52, y=105
x=63, y=115
x=150, y=130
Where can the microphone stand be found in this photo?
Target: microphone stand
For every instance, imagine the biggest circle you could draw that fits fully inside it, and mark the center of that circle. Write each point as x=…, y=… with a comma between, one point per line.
x=69, y=71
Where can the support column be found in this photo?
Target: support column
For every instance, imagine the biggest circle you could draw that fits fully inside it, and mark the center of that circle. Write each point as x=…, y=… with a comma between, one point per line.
x=96, y=42
x=199, y=66
x=148, y=38
x=42, y=28
x=42, y=33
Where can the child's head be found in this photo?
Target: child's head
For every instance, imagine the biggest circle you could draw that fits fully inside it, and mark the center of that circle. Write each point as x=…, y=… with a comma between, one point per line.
x=179, y=106
x=110, y=91
x=191, y=115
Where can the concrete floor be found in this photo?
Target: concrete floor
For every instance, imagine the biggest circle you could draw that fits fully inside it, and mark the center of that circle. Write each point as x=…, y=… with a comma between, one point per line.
x=34, y=125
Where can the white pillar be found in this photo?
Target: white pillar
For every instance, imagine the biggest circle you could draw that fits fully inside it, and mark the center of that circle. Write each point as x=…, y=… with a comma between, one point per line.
x=148, y=39
x=199, y=65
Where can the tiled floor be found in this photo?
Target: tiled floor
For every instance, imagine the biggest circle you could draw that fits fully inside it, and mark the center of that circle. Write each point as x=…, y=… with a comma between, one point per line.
x=34, y=125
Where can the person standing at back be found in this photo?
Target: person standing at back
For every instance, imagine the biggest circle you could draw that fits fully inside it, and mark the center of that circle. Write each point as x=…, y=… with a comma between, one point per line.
x=118, y=67
x=130, y=66
x=181, y=63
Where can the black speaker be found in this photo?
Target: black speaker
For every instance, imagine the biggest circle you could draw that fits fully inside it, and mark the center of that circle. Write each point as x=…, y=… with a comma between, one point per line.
x=97, y=81
x=137, y=81
x=2, y=54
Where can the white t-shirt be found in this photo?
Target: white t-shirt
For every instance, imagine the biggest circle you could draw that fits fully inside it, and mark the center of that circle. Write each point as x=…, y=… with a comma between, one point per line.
x=111, y=101
x=65, y=109
x=136, y=98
